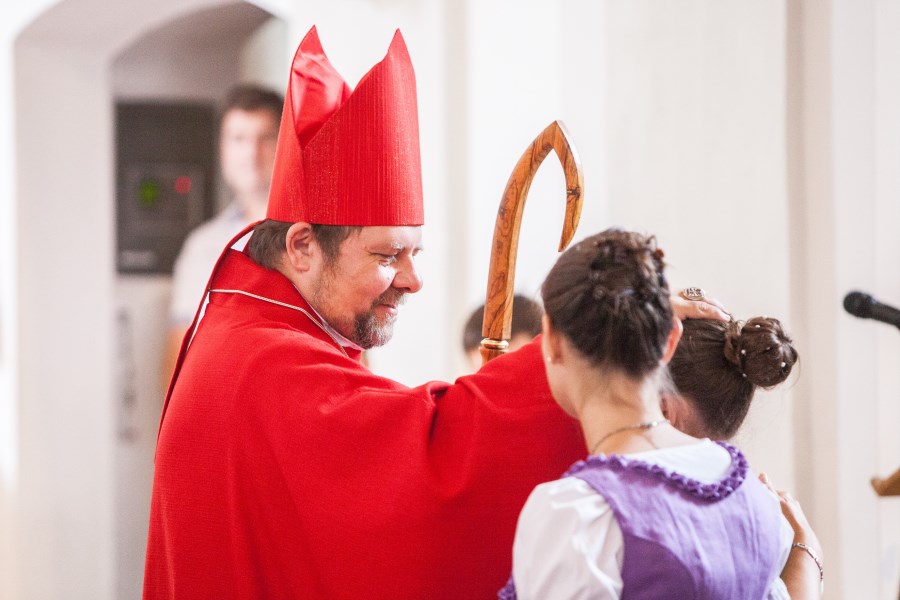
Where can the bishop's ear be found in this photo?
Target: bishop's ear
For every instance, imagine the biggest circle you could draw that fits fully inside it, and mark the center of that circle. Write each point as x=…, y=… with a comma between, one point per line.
x=301, y=248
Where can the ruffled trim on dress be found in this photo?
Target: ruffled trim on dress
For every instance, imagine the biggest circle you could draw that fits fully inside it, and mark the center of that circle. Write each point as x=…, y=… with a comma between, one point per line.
x=707, y=491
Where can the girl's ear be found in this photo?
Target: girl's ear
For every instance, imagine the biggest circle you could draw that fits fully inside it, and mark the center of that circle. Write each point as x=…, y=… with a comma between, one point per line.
x=672, y=341
x=683, y=415
x=551, y=341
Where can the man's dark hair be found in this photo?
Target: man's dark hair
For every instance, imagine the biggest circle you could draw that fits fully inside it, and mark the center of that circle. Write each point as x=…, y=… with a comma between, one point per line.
x=526, y=319
x=267, y=242
x=252, y=98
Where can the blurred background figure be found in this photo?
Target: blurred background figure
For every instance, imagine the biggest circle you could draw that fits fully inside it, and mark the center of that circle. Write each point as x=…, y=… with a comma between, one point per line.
x=248, y=132
x=526, y=323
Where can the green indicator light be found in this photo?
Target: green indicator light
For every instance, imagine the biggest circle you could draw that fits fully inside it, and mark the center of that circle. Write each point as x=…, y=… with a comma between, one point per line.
x=148, y=193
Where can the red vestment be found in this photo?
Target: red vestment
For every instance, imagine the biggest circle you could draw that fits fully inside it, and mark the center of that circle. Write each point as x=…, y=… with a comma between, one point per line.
x=285, y=469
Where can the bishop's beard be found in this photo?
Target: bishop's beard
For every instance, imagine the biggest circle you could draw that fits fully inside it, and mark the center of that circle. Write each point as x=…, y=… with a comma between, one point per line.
x=368, y=330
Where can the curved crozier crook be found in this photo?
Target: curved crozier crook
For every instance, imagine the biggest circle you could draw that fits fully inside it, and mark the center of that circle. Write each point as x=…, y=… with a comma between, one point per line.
x=501, y=276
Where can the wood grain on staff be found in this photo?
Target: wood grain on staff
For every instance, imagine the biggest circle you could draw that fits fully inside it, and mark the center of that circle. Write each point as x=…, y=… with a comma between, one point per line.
x=501, y=276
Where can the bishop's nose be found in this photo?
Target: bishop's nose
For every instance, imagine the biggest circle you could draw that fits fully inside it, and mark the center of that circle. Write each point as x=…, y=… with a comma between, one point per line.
x=407, y=278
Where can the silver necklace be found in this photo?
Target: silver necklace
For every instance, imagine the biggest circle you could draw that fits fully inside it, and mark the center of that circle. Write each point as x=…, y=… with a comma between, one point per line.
x=644, y=425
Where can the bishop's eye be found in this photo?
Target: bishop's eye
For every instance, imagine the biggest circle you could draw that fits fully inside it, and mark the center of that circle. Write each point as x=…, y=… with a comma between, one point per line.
x=386, y=259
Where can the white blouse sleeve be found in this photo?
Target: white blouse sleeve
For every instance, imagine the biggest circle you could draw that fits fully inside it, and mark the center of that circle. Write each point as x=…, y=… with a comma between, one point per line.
x=568, y=544
x=777, y=590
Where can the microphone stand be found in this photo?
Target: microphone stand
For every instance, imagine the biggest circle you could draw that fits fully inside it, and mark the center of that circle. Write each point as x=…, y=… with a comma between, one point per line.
x=862, y=305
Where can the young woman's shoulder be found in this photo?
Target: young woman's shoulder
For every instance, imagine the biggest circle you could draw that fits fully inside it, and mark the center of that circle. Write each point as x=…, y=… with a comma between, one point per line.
x=568, y=544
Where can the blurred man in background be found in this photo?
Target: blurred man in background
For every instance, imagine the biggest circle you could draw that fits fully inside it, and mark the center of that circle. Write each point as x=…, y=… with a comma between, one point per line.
x=248, y=134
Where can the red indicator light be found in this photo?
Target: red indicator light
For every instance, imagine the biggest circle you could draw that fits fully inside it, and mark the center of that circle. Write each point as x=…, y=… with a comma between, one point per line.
x=183, y=184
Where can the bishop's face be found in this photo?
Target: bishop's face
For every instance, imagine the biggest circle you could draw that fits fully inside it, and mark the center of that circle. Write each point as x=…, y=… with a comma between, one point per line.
x=359, y=293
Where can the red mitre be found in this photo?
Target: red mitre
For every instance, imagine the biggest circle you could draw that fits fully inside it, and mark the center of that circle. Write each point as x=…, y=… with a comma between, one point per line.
x=348, y=158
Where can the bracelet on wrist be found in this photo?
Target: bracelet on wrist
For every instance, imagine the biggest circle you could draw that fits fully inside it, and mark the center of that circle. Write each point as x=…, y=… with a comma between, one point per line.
x=815, y=558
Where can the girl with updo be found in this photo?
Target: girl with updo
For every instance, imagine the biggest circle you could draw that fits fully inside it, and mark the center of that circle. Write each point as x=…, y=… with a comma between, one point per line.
x=716, y=369
x=652, y=512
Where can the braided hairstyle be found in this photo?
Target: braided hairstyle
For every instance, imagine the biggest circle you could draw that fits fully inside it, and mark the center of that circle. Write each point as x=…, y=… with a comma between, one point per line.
x=719, y=365
x=608, y=296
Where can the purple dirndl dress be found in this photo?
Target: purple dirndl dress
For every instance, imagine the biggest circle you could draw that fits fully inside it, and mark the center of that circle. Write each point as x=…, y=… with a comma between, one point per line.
x=686, y=539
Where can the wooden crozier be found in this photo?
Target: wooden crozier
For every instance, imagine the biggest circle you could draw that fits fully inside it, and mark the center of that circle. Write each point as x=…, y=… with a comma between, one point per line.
x=501, y=276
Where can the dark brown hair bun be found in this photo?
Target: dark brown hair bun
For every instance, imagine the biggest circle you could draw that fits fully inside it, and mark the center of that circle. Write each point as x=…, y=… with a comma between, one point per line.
x=761, y=350
x=718, y=366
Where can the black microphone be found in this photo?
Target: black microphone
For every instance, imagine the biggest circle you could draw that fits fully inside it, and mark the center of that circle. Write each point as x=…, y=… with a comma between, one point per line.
x=865, y=306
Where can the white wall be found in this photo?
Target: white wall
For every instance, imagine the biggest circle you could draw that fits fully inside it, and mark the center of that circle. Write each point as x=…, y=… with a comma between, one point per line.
x=846, y=216
x=886, y=124
x=265, y=56
x=64, y=350
x=15, y=17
